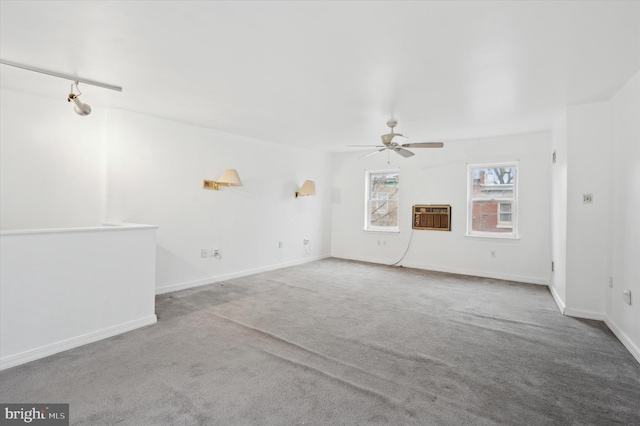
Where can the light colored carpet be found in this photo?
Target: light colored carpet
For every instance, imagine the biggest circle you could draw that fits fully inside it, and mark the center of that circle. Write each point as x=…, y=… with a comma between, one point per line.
x=341, y=342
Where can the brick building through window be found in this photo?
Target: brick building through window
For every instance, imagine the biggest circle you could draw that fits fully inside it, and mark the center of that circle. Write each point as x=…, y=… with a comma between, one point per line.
x=492, y=201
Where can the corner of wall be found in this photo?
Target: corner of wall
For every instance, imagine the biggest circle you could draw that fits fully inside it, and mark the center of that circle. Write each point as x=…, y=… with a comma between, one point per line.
x=623, y=337
x=556, y=297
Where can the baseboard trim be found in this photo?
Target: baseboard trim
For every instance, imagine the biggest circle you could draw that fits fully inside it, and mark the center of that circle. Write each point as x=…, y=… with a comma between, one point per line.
x=577, y=313
x=558, y=300
x=624, y=339
x=211, y=280
x=459, y=271
x=74, y=342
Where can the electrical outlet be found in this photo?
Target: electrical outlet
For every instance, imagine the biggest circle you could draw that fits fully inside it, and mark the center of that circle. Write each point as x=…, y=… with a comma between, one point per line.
x=204, y=253
x=280, y=244
x=493, y=253
x=610, y=282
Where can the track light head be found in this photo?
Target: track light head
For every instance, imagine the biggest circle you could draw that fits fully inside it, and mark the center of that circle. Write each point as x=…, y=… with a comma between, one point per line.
x=79, y=108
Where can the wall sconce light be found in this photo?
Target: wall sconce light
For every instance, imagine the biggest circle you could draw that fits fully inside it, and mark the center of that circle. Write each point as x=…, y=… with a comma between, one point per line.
x=308, y=188
x=229, y=178
x=80, y=108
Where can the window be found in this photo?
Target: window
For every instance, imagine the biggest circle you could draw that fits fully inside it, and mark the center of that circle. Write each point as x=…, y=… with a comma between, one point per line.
x=492, y=200
x=381, y=209
x=504, y=215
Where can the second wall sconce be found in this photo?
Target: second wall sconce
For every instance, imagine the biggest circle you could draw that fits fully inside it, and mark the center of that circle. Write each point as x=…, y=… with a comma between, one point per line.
x=229, y=178
x=308, y=188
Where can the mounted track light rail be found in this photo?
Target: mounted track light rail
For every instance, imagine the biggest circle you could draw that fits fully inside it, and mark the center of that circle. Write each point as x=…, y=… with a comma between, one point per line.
x=61, y=75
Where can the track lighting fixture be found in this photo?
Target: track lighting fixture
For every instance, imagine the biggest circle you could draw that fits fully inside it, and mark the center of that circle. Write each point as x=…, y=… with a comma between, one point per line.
x=80, y=108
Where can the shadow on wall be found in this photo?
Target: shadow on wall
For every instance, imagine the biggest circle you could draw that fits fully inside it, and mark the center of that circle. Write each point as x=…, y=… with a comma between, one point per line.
x=174, y=269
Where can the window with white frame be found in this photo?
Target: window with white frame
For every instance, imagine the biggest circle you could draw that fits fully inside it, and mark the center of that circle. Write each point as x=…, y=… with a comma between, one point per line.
x=492, y=200
x=505, y=218
x=381, y=200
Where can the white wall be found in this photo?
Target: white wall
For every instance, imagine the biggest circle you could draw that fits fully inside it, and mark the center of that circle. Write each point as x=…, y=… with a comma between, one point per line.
x=587, y=242
x=52, y=172
x=598, y=152
x=64, y=288
x=156, y=168
x=624, y=319
x=559, y=211
x=56, y=167
x=438, y=176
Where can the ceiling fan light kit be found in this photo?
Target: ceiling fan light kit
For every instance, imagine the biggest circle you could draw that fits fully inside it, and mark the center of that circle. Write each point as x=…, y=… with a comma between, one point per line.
x=394, y=142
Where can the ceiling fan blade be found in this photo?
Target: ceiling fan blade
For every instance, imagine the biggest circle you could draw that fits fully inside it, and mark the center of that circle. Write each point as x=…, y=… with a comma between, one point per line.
x=423, y=145
x=370, y=146
x=404, y=152
x=398, y=138
x=372, y=153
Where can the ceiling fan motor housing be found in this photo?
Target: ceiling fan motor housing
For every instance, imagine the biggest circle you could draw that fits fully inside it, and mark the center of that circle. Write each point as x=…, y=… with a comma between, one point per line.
x=386, y=139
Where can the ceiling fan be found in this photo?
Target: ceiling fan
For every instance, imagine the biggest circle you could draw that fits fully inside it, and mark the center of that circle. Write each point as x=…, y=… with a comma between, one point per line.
x=393, y=142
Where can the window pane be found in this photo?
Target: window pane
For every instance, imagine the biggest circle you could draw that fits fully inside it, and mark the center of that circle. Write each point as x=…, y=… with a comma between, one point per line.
x=504, y=217
x=384, y=185
x=383, y=213
x=381, y=203
x=485, y=217
x=492, y=182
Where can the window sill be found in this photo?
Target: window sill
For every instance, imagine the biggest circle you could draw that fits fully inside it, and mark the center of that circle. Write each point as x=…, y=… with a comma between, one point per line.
x=386, y=231
x=495, y=236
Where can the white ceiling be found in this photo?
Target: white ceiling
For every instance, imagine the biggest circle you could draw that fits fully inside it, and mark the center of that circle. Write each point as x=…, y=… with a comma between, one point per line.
x=323, y=75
